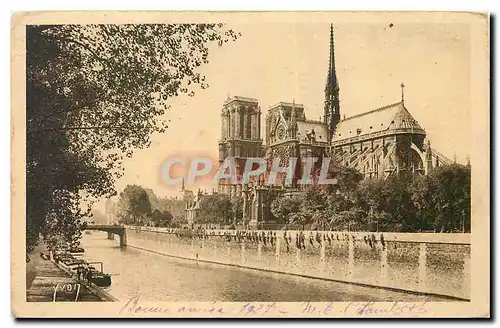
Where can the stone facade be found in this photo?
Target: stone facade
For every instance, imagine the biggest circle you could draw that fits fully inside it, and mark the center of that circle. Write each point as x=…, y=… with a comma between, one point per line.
x=377, y=143
x=383, y=142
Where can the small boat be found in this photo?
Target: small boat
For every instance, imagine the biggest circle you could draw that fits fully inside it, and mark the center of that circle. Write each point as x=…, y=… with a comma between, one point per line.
x=100, y=279
x=77, y=251
x=83, y=269
x=72, y=264
x=88, y=232
x=58, y=257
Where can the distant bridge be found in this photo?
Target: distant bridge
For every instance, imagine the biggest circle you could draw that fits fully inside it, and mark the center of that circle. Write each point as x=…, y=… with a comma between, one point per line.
x=111, y=230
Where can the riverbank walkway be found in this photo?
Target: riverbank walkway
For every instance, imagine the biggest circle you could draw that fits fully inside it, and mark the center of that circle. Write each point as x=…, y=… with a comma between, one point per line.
x=52, y=284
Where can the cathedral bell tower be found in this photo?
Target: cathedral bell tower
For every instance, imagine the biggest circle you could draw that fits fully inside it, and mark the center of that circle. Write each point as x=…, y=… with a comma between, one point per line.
x=332, y=102
x=240, y=136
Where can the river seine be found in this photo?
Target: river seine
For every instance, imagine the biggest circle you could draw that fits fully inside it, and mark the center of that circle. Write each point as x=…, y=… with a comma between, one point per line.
x=161, y=278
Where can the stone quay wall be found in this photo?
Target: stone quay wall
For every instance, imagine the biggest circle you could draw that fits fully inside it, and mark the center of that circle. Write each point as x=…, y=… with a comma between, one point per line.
x=434, y=263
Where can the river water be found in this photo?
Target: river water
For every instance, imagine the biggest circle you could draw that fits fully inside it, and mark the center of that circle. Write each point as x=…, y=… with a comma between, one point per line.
x=161, y=278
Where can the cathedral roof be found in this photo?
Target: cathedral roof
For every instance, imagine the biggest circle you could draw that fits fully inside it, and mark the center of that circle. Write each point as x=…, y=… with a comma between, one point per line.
x=285, y=104
x=305, y=128
x=393, y=117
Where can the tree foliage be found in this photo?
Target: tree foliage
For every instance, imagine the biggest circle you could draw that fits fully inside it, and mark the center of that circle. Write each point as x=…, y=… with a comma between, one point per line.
x=215, y=208
x=95, y=93
x=62, y=227
x=161, y=218
x=133, y=205
x=439, y=201
x=283, y=208
x=237, y=209
x=450, y=189
x=312, y=207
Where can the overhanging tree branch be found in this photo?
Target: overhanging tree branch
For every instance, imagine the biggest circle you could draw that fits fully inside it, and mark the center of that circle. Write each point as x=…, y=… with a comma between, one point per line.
x=70, y=128
x=83, y=45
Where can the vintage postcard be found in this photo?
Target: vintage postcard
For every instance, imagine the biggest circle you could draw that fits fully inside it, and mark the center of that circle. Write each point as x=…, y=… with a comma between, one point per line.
x=250, y=164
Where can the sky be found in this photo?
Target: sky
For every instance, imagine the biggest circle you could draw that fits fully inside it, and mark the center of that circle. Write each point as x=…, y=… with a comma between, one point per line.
x=288, y=61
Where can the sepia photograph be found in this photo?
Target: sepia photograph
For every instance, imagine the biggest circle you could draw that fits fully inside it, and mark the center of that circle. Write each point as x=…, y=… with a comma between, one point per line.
x=250, y=164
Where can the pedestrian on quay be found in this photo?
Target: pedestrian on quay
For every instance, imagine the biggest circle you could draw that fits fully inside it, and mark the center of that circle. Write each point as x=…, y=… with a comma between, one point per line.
x=89, y=276
x=80, y=272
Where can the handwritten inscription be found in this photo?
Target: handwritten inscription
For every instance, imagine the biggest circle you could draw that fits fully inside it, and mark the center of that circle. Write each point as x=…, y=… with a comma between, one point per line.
x=364, y=309
x=385, y=309
x=319, y=309
x=261, y=309
x=134, y=307
x=273, y=309
x=67, y=288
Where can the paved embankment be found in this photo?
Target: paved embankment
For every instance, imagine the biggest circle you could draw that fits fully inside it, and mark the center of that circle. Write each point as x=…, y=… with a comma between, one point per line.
x=52, y=284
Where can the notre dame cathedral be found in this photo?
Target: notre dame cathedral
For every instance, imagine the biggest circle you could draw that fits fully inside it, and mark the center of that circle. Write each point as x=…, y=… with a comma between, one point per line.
x=378, y=143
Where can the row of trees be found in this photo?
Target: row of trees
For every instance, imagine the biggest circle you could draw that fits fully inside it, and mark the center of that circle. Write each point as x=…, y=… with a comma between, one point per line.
x=94, y=94
x=221, y=209
x=135, y=208
x=439, y=201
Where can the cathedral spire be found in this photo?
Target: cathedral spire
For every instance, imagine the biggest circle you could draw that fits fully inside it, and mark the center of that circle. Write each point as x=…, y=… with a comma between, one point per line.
x=332, y=52
x=332, y=104
x=294, y=113
x=293, y=120
x=402, y=85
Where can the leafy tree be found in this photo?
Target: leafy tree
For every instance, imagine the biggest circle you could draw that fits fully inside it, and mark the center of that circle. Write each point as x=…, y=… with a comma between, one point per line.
x=388, y=204
x=341, y=203
x=216, y=209
x=62, y=228
x=451, y=197
x=313, y=206
x=283, y=207
x=422, y=197
x=355, y=219
x=133, y=205
x=161, y=219
x=237, y=209
x=347, y=181
x=348, y=177
x=178, y=221
x=95, y=93
x=156, y=215
x=320, y=219
x=167, y=216
x=153, y=199
x=298, y=219
x=396, y=200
